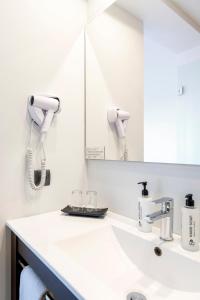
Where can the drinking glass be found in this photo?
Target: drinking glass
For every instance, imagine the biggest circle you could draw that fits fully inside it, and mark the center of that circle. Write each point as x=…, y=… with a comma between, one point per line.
x=77, y=198
x=91, y=199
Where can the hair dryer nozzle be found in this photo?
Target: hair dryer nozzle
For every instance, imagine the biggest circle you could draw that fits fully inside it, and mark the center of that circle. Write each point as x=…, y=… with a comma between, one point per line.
x=45, y=102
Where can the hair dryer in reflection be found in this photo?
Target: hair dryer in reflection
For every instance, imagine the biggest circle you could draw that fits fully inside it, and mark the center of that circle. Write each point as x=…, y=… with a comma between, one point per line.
x=120, y=119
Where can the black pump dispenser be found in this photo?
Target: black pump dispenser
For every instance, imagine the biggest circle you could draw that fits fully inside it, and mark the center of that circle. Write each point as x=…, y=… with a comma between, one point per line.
x=189, y=201
x=145, y=192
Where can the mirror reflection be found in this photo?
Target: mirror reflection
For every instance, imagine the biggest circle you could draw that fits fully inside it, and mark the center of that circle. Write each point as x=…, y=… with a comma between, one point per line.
x=142, y=82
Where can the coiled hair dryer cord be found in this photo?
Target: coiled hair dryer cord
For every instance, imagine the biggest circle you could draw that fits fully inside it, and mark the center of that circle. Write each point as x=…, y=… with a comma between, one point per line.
x=29, y=156
x=30, y=169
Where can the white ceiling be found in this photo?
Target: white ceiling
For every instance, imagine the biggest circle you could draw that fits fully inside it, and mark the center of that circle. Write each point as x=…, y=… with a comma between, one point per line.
x=165, y=23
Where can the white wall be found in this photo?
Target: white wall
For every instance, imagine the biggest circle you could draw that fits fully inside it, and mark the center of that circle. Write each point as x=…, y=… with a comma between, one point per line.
x=116, y=183
x=41, y=51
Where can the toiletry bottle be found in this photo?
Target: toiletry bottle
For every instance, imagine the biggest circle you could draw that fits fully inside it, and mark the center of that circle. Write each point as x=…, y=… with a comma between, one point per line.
x=190, y=225
x=145, y=207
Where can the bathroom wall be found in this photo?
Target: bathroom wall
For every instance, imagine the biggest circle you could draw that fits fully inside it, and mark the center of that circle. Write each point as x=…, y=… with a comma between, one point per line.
x=41, y=51
x=116, y=183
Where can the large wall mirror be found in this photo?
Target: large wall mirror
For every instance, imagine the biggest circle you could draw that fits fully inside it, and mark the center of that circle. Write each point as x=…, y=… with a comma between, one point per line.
x=143, y=82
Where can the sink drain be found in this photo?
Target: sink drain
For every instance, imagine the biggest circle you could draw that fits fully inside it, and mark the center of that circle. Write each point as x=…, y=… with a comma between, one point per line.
x=136, y=296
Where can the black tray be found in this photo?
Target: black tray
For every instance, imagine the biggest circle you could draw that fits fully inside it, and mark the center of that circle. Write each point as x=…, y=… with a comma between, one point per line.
x=85, y=211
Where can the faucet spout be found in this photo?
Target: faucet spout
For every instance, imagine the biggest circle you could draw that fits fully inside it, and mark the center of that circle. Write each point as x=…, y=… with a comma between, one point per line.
x=155, y=216
x=166, y=215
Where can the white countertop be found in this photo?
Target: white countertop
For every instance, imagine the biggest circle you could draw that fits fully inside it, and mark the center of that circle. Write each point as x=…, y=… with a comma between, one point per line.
x=40, y=234
x=43, y=233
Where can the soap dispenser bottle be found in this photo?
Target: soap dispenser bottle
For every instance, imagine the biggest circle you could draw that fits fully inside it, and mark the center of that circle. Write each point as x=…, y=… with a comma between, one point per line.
x=190, y=225
x=145, y=207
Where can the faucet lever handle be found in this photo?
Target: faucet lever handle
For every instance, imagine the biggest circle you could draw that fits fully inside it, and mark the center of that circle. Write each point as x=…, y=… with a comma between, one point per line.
x=163, y=200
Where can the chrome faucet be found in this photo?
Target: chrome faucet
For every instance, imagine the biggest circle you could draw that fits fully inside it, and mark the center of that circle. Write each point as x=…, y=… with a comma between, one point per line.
x=166, y=215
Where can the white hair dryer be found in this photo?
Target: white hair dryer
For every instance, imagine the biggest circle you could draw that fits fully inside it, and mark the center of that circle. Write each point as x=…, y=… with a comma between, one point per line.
x=120, y=119
x=41, y=110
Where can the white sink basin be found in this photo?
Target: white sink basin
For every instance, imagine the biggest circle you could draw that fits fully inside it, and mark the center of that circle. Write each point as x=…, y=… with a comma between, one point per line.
x=108, y=259
x=126, y=262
